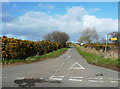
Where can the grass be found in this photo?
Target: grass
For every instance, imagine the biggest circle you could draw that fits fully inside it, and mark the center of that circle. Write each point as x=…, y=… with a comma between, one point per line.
x=53, y=54
x=93, y=58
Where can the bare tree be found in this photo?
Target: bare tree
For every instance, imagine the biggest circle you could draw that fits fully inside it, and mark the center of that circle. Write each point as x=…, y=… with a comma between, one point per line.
x=89, y=35
x=60, y=37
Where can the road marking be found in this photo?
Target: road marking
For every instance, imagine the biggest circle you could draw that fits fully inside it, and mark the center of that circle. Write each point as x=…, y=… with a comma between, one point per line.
x=20, y=77
x=95, y=78
x=114, y=81
x=75, y=80
x=78, y=66
x=56, y=77
x=68, y=57
x=92, y=80
x=75, y=77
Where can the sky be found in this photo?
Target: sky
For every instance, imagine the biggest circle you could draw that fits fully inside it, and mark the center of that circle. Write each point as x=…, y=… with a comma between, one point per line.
x=33, y=20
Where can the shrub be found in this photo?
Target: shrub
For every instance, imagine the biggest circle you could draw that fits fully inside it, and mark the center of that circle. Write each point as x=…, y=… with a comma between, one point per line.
x=20, y=49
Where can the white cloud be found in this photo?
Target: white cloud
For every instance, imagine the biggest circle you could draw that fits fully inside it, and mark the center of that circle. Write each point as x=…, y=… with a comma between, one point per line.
x=101, y=25
x=16, y=36
x=34, y=25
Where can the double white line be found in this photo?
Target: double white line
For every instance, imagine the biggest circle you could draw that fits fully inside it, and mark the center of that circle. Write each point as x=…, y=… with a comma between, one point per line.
x=75, y=79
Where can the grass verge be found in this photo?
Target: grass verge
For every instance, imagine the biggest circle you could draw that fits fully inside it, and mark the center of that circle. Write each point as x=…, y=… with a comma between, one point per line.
x=53, y=54
x=98, y=60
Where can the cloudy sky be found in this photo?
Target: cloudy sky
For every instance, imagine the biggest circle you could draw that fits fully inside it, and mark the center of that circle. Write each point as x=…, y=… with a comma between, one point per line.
x=32, y=20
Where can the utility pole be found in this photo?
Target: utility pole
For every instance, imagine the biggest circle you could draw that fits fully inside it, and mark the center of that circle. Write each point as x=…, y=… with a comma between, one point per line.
x=106, y=45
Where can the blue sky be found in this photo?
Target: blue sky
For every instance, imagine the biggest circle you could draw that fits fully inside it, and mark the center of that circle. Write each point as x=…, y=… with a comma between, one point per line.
x=106, y=9
x=58, y=16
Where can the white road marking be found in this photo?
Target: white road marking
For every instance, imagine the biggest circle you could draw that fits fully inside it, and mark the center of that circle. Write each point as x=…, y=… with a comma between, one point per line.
x=75, y=80
x=68, y=57
x=114, y=81
x=92, y=80
x=95, y=78
x=56, y=77
x=75, y=77
x=20, y=77
x=76, y=64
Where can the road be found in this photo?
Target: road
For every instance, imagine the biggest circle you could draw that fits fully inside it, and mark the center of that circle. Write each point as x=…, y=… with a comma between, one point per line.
x=68, y=70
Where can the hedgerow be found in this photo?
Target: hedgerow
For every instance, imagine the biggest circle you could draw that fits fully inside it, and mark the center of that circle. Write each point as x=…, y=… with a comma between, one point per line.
x=21, y=49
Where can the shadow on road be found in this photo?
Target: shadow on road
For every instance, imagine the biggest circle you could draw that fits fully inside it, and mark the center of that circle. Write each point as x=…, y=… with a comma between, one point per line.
x=31, y=82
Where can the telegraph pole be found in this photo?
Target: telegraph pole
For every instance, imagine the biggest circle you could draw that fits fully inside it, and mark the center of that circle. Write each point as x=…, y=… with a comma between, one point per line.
x=106, y=45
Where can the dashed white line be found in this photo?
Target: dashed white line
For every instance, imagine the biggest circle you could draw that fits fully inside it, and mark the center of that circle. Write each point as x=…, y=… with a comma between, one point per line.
x=68, y=57
x=92, y=80
x=75, y=77
x=56, y=77
x=114, y=81
x=95, y=78
x=75, y=80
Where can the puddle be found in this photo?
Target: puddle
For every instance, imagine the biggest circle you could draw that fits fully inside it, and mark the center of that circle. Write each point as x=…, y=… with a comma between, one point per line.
x=30, y=82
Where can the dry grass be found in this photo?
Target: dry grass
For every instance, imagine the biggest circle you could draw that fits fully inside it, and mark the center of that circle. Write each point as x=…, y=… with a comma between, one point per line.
x=109, y=54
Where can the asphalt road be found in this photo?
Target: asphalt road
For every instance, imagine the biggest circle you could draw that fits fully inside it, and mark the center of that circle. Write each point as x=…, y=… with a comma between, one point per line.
x=68, y=70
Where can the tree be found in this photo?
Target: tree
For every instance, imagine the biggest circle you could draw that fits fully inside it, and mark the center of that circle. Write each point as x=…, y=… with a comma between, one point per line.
x=115, y=35
x=89, y=35
x=60, y=37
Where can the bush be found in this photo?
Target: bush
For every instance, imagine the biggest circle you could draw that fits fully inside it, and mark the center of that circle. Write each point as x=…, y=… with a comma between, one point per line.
x=20, y=49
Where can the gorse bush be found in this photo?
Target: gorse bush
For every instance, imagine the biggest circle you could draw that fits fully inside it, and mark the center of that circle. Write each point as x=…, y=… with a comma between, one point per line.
x=20, y=49
x=98, y=46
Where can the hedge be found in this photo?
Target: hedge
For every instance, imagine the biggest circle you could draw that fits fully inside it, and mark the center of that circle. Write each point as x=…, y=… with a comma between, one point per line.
x=20, y=49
